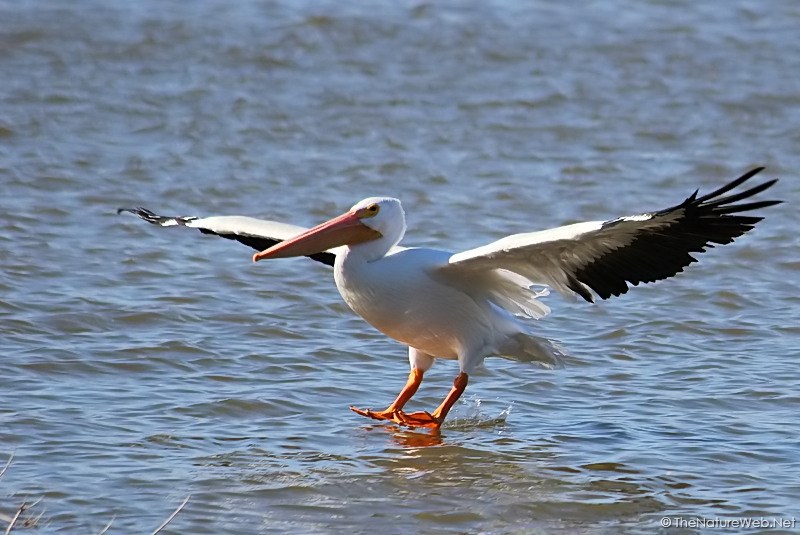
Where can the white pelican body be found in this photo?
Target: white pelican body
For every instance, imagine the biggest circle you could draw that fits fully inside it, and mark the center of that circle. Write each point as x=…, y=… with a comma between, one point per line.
x=471, y=305
x=401, y=285
x=403, y=296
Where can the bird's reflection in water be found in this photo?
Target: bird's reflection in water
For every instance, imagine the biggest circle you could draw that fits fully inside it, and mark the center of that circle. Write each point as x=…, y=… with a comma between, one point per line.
x=408, y=438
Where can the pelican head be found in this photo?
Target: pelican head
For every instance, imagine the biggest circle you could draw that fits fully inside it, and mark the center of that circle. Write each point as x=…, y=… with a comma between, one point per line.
x=380, y=220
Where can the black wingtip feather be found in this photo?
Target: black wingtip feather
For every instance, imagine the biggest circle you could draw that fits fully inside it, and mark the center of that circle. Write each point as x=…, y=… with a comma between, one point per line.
x=731, y=185
x=155, y=219
x=690, y=227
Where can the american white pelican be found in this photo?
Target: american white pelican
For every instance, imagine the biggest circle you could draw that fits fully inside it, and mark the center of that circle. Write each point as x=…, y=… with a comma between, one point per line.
x=470, y=305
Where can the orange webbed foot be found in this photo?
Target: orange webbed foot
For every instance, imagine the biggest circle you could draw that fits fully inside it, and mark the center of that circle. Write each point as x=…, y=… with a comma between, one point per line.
x=377, y=415
x=420, y=419
x=414, y=419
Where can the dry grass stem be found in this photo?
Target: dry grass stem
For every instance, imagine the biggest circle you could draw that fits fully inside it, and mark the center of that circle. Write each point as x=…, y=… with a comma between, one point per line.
x=8, y=463
x=31, y=521
x=14, y=520
x=174, y=513
x=105, y=529
x=22, y=508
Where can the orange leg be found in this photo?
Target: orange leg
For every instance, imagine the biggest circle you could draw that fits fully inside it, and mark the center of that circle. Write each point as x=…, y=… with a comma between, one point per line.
x=426, y=419
x=393, y=410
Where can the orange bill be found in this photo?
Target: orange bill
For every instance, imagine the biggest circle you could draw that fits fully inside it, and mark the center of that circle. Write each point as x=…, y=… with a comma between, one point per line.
x=347, y=229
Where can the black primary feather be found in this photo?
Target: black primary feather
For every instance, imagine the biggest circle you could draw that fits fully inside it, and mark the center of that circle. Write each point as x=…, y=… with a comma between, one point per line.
x=658, y=253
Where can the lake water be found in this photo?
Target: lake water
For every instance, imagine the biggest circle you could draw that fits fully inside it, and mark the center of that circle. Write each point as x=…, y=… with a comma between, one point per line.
x=142, y=365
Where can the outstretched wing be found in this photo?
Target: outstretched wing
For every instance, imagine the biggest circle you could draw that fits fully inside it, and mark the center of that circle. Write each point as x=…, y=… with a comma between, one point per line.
x=606, y=256
x=256, y=233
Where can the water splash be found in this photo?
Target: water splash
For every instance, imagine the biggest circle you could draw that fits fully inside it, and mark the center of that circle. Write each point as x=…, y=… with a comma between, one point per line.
x=469, y=414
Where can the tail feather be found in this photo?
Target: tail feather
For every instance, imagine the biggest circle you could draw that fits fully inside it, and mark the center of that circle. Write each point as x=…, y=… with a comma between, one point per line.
x=524, y=347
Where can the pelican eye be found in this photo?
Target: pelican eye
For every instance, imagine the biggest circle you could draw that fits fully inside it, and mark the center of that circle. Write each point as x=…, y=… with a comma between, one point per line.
x=370, y=211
